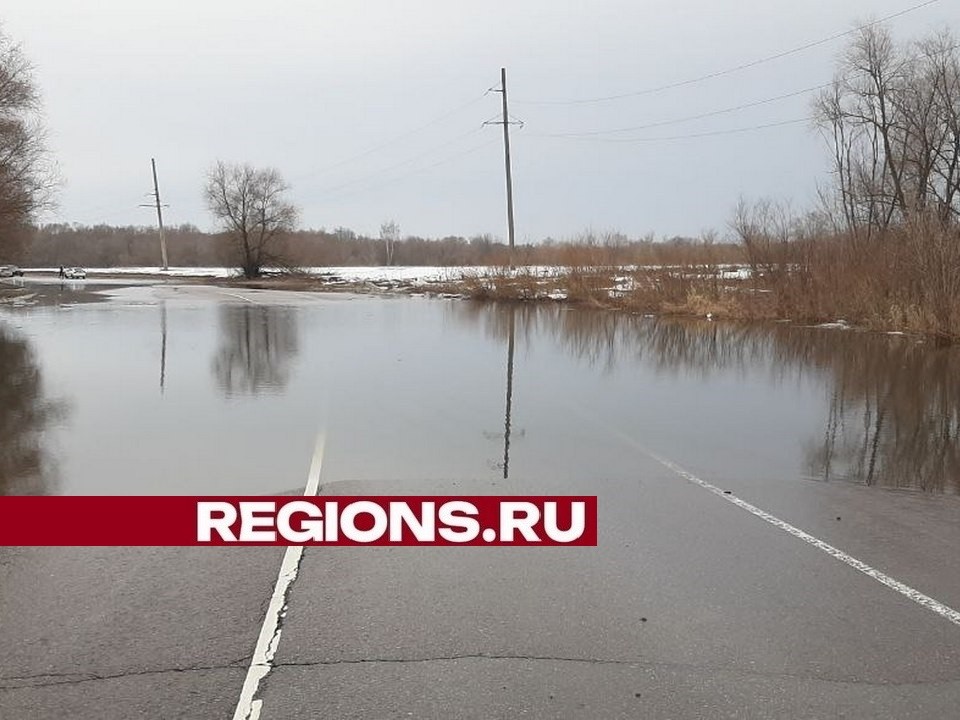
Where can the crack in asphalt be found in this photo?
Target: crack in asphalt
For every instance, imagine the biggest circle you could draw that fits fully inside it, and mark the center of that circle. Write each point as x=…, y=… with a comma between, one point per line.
x=610, y=661
x=43, y=680
x=21, y=682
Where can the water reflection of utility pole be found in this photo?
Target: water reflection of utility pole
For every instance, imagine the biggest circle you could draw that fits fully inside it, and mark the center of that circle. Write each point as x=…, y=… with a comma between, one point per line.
x=163, y=346
x=506, y=422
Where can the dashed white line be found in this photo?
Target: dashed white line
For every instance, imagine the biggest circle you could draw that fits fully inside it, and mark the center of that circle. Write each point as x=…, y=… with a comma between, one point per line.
x=249, y=706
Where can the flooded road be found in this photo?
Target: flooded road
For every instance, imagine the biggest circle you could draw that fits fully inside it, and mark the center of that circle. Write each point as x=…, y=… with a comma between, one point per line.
x=689, y=606
x=169, y=390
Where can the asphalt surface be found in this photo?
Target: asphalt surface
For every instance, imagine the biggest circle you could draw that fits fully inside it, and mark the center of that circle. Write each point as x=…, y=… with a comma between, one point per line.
x=129, y=632
x=689, y=607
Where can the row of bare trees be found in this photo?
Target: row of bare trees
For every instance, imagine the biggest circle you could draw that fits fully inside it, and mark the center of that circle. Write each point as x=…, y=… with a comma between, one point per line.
x=124, y=246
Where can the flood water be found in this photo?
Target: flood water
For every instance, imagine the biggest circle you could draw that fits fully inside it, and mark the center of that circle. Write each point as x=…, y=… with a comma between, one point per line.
x=192, y=390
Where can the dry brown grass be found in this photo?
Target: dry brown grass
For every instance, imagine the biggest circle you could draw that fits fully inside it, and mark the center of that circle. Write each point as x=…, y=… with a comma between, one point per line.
x=675, y=290
x=503, y=284
x=906, y=279
x=903, y=279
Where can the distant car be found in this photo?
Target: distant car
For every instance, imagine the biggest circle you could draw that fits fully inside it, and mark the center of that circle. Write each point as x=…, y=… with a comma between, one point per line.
x=10, y=271
x=75, y=274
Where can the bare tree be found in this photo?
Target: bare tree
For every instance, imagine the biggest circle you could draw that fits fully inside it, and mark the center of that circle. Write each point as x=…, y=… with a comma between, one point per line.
x=27, y=177
x=892, y=118
x=390, y=235
x=250, y=206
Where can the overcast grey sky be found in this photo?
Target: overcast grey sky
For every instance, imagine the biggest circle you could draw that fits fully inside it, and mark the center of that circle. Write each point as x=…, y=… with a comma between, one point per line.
x=310, y=86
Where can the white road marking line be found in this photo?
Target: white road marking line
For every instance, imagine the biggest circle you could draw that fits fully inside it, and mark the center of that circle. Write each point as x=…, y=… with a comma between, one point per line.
x=316, y=465
x=238, y=295
x=248, y=706
x=944, y=611
x=918, y=597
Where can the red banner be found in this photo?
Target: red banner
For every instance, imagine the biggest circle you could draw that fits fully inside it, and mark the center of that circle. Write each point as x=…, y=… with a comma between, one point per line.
x=294, y=520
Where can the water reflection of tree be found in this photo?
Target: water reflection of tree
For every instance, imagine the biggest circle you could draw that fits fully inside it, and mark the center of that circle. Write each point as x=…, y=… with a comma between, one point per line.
x=894, y=415
x=894, y=412
x=257, y=343
x=25, y=414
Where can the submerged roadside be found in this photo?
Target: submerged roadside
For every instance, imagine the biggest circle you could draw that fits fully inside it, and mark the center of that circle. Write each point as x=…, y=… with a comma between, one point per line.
x=712, y=291
x=726, y=291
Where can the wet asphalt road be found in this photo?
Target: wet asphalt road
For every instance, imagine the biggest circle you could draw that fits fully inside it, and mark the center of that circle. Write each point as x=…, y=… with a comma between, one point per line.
x=689, y=607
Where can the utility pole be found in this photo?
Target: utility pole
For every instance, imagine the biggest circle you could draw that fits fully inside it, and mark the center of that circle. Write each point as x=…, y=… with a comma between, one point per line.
x=156, y=197
x=506, y=156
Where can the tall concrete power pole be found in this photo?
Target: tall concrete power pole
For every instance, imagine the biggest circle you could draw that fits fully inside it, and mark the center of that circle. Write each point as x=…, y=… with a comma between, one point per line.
x=505, y=121
x=506, y=158
x=156, y=197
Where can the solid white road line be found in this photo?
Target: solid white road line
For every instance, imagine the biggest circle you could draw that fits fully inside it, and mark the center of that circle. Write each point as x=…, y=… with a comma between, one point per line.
x=918, y=597
x=944, y=611
x=248, y=706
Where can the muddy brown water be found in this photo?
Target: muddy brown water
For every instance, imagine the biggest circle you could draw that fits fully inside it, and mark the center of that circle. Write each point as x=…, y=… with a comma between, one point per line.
x=192, y=390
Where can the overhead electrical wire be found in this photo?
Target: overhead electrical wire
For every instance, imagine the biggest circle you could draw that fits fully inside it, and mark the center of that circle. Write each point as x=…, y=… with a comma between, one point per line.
x=711, y=133
x=731, y=70
x=389, y=181
x=689, y=118
x=390, y=141
x=402, y=163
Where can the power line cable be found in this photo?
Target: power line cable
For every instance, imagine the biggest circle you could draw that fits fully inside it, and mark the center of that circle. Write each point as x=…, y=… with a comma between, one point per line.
x=732, y=131
x=391, y=141
x=404, y=176
x=736, y=68
x=688, y=118
x=408, y=161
